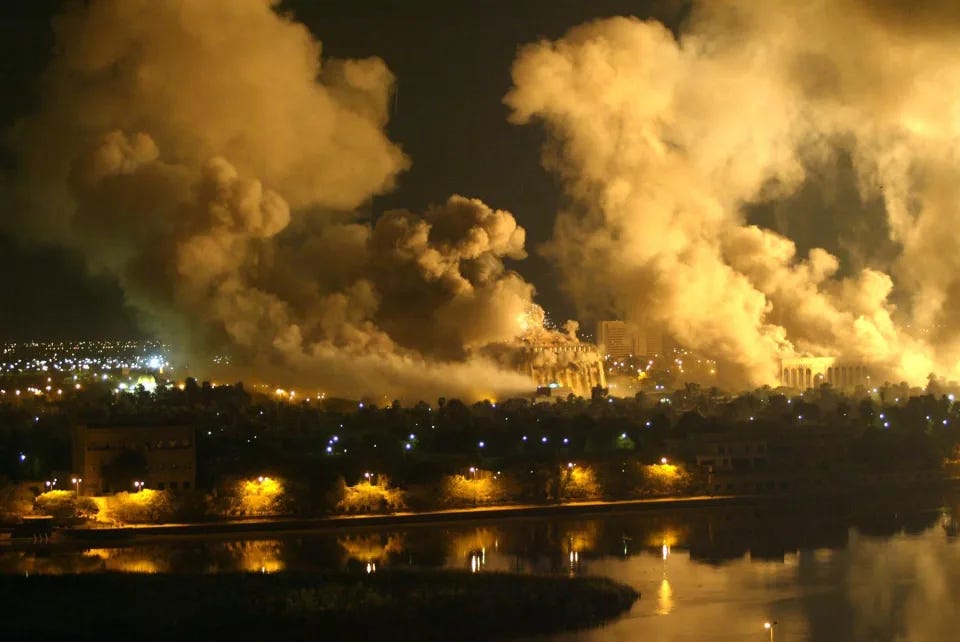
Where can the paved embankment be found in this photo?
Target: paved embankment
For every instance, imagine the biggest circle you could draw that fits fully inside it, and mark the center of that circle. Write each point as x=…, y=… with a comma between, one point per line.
x=353, y=521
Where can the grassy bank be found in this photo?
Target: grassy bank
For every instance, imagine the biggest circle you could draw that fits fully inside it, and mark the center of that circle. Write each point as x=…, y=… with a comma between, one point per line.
x=394, y=605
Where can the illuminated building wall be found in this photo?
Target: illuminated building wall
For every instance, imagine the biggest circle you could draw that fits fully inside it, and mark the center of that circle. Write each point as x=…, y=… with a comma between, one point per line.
x=170, y=454
x=618, y=339
x=804, y=373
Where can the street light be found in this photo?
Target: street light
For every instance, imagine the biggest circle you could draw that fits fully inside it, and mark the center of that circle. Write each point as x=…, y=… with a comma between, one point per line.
x=663, y=460
x=473, y=471
x=769, y=627
x=76, y=482
x=138, y=485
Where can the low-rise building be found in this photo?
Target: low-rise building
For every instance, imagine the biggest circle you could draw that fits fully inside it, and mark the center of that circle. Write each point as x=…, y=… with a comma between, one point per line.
x=725, y=452
x=110, y=459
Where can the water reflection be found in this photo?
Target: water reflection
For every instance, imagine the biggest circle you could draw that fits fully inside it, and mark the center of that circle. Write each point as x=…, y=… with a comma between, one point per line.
x=844, y=571
x=257, y=556
x=664, y=598
x=370, y=550
x=127, y=560
x=711, y=537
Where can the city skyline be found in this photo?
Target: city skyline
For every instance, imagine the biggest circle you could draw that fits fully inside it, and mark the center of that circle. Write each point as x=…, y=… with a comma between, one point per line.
x=313, y=190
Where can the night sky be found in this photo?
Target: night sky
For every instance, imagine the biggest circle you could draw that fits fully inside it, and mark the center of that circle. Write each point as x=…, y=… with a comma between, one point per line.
x=452, y=63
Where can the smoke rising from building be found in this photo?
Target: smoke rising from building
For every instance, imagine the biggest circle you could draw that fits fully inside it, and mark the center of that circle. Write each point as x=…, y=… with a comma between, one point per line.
x=206, y=157
x=211, y=160
x=664, y=144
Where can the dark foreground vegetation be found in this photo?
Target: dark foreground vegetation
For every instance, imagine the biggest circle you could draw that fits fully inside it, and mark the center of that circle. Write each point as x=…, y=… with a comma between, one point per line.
x=266, y=452
x=390, y=605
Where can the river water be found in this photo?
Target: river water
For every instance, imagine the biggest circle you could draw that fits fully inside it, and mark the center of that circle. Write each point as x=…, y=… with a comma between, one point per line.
x=825, y=571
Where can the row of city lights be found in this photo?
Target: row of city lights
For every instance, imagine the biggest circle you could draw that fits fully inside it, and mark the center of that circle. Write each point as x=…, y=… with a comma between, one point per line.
x=81, y=356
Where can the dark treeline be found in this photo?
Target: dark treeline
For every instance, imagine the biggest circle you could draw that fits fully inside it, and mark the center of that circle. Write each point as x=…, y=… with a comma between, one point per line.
x=430, y=605
x=313, y=444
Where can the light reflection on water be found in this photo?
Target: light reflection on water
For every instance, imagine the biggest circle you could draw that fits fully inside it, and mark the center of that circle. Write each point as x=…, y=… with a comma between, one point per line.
x=824, y=573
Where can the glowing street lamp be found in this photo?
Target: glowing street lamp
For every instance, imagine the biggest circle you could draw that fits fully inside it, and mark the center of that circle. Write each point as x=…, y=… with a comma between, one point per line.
x=663, y=460
x=769, y=627
x=138, y=485
x=76, y=482
x=473, y=472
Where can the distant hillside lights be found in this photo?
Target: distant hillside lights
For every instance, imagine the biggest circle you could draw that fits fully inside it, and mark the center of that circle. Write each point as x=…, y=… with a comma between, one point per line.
x=82, y=356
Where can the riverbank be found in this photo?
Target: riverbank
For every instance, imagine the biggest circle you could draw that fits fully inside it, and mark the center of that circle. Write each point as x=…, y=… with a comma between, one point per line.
x=94, y=533
x=423, y=605
x=280, y=524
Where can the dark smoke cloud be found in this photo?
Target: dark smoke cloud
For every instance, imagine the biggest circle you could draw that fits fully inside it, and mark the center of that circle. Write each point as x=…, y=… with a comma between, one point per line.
x=205, y=156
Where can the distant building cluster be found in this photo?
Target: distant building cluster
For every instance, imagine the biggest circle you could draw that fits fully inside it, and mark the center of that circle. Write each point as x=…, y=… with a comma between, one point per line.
x=804, y=373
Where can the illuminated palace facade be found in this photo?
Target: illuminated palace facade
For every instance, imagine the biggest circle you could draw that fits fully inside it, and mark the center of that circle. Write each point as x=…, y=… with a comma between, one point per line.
x=575, y=366
x=803, y=373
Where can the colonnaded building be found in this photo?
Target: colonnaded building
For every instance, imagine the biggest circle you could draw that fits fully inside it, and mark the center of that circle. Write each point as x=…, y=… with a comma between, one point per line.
x=804, y=373
x=578, y=367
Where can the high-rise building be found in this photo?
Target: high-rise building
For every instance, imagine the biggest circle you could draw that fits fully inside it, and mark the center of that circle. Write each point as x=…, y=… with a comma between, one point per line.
x=617, y=339
x=620, y=339
x=651, y=339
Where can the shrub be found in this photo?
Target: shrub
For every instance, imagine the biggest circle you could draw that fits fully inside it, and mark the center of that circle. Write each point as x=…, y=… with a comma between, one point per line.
x=367, y=497
x=143, y=507
x=64, y=506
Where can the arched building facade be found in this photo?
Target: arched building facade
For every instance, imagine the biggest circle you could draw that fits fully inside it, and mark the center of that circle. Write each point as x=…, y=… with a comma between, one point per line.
x=803, y=373
x=575, y=366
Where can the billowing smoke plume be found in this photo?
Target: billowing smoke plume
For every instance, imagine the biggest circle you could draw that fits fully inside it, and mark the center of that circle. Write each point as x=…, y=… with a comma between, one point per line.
x=205, y=156
x=664, y=144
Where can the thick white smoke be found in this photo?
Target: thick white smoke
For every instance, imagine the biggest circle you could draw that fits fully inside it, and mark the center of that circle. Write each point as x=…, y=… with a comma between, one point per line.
x=204, y=155
x=663, y=144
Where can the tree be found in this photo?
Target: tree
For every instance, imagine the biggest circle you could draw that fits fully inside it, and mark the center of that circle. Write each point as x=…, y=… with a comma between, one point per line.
x=143, y=507
x=368, y=497
x=15, y=502
x=65, y=506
